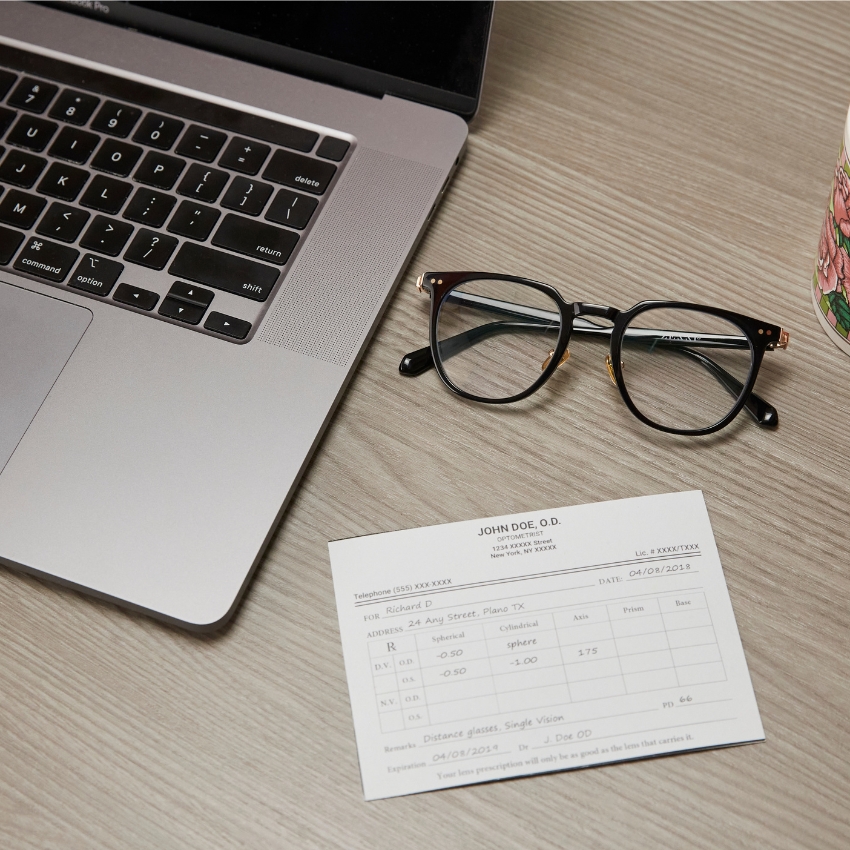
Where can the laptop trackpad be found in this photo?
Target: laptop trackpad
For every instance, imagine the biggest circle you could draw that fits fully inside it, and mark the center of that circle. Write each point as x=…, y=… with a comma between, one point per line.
x=38, y=334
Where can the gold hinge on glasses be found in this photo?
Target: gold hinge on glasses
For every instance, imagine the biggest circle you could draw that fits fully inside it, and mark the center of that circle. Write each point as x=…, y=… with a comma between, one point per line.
x=548, y=360
x=419, y=283
x=610, y=366
x=782, y=342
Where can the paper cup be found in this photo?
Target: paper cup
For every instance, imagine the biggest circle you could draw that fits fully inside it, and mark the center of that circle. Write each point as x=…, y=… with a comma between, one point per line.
x=831, y=280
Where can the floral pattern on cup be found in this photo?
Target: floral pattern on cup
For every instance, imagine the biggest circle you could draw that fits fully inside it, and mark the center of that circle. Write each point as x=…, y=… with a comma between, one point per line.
x=831, y=279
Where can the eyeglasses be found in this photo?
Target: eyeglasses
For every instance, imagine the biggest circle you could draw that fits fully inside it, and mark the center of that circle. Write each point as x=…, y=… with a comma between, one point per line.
x=681, y=368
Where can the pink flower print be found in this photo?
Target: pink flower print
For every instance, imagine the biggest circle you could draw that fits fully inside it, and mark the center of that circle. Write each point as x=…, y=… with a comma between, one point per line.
x=841, y=200
x=833, y=262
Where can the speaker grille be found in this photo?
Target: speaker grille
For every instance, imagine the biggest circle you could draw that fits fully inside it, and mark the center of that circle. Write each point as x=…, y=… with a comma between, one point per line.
x=328, y=304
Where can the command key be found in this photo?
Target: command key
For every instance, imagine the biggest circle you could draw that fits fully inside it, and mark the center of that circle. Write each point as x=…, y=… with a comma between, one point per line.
x=46, y=259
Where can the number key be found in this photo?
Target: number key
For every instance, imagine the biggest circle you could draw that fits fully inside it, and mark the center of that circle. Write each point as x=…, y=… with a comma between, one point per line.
x=150, y=249
x=158, y=131
x=32, y=95
x=74, y=107
x=117, y=119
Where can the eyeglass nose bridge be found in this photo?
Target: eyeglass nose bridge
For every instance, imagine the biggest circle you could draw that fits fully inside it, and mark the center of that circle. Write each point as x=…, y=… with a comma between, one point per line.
x=600, y=310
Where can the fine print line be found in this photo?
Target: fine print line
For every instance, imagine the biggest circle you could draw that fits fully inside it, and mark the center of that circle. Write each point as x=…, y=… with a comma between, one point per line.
x=511, y=580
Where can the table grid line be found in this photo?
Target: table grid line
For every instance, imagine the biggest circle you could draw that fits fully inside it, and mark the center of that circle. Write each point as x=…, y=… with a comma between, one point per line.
x=494, y=687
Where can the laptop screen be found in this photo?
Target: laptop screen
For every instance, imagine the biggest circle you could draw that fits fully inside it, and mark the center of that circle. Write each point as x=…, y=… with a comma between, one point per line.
x=431, y=52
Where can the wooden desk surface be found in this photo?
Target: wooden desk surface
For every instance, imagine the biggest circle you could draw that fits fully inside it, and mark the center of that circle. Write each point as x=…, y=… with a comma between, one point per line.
x=622, y=152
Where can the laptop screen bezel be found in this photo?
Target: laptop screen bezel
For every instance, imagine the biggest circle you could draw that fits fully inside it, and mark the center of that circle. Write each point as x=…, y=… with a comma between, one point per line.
x=288, y=59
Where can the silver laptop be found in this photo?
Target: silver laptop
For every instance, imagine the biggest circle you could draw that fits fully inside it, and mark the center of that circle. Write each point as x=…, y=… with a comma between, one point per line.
x=194, y=249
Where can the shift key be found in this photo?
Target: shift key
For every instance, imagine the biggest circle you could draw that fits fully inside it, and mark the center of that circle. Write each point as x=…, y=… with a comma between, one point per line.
x=46, y=259
x=263, y=241
x=224, y=271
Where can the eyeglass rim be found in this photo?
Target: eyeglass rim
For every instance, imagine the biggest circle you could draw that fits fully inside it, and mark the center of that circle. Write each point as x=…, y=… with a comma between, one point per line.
x=445, y=284
x=756, y=355
x=760, y=335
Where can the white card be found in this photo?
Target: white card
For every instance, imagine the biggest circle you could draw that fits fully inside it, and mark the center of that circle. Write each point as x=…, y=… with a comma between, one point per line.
x=538, y=642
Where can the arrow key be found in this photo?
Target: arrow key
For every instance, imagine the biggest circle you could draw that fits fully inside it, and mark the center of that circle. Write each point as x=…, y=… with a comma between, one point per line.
x=135, y=297
x=191, y=293
x=227, y=325
x=63, y=222
x=183, y=311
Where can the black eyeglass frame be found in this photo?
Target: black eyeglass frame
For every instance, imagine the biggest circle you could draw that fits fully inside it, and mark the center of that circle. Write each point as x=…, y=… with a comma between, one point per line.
x=761, y=336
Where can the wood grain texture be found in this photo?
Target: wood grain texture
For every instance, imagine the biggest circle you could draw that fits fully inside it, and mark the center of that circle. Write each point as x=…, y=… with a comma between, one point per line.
x=622, y=152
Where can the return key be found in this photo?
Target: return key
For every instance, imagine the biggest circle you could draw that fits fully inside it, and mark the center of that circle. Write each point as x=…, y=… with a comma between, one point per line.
x=255, y=239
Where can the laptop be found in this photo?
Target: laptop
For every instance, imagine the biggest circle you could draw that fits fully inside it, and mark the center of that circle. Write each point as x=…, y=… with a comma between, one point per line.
x=203, y=210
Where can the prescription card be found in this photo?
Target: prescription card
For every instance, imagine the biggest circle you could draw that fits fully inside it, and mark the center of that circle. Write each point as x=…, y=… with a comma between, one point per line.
x=539, y=642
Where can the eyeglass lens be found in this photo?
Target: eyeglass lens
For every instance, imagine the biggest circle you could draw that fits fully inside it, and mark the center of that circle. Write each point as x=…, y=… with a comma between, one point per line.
x=494, y=337
x=684, y=369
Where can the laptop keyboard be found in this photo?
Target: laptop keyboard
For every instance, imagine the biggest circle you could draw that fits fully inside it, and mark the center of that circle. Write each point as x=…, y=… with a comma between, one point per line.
x=173, y=206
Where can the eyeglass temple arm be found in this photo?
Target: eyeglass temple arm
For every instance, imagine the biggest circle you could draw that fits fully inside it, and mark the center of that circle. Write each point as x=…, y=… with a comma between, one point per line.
x=419, y=361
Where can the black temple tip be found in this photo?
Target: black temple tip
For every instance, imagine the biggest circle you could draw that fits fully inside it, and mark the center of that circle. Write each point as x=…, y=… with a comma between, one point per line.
x=416, y=362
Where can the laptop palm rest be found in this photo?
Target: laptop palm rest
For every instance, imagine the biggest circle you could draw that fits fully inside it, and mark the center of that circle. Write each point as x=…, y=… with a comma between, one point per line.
x=38, y=334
